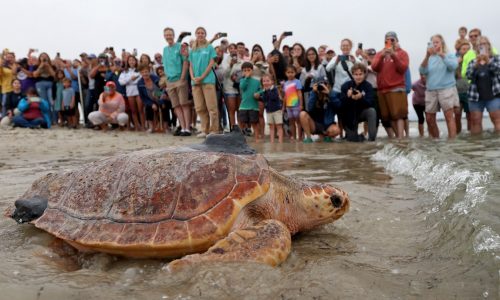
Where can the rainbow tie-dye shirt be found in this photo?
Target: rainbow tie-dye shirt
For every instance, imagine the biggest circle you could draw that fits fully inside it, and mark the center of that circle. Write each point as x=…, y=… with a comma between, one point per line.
x=292, y=89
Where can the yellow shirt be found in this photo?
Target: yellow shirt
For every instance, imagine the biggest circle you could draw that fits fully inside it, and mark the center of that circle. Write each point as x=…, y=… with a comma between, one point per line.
x=6, y=80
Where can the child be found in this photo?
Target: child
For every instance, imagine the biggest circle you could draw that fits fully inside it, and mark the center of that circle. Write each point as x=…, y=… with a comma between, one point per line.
x=274, y=108
x=294, y=102
x=462, y=33
x=68, y=103
x=249, y=107
x=59, y=88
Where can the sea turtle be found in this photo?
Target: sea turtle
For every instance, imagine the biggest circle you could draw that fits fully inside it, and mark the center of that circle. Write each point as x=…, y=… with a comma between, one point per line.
x=219, y=199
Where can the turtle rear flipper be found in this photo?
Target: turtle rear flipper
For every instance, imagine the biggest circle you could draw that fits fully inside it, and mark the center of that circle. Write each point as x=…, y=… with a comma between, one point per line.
x=29, y=209
x=267, y=242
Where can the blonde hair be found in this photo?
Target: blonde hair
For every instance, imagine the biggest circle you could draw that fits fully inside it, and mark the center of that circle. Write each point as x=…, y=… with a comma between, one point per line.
x=200, y=44
x=443, y=43
x=483, y=38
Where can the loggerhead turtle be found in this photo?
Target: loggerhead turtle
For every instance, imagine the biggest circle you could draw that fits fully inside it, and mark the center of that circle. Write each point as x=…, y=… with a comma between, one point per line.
x=219, y=199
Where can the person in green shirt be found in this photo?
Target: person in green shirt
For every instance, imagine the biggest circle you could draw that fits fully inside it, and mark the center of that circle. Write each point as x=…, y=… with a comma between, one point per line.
x=202, y=58
x=175, y=65
x=474, y=35
x=249, y=107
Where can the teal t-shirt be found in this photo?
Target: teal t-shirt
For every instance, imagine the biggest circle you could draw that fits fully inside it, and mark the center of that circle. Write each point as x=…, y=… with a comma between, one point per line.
x=172, y=62
x=249, y=86
x=200, y=58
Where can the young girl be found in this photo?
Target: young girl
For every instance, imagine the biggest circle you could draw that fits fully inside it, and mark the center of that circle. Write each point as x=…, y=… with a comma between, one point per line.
x=59, y=89
x=129, y=78
x=68, y=103
x=294, y=102
x=274, y=109
x=313, y=72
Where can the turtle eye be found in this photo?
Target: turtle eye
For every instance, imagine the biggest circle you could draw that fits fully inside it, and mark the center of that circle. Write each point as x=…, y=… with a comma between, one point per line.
x=336, y=201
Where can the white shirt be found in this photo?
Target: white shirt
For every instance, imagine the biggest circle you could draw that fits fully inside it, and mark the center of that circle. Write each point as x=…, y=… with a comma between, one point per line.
x=125, y=79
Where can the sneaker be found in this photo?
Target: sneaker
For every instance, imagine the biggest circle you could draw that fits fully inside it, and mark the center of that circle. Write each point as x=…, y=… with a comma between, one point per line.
x=178, y=131
x=185, y=133
x=327, y=139
x=201, y=135
x=307, y=140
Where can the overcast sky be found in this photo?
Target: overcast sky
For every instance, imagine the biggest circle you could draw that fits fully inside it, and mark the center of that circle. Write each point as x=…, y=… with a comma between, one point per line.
x=70, y=27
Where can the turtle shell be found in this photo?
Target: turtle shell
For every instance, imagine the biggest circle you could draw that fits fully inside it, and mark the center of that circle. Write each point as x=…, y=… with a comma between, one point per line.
x=151, y=203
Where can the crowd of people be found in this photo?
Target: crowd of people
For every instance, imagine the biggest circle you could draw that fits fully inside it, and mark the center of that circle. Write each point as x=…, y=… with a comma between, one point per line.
x=298, y=92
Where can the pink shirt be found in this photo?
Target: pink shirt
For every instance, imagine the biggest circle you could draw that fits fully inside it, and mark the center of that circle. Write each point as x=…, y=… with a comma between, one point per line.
x=111, y=105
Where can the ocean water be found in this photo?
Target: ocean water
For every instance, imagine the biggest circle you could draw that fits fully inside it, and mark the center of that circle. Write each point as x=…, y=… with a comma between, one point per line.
x=424, y=223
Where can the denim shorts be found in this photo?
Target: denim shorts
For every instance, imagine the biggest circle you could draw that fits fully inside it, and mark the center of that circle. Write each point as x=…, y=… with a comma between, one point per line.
x=490, y=105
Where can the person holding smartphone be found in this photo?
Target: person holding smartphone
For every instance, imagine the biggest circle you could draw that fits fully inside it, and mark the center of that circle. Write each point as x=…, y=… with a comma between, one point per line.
x=391, y=64
x=484, y=92
x=439, y=67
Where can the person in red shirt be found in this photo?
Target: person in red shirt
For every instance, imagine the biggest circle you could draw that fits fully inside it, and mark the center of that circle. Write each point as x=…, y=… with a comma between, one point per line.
x=391, y=64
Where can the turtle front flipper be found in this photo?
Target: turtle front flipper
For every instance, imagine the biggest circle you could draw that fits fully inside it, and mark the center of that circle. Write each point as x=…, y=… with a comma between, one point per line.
x=267, y=242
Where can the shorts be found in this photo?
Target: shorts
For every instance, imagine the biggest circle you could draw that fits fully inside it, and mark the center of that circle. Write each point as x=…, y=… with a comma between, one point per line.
x=293, y=112
x=275, y=118
x=393, y=106
x=464, y=101
x=420, y=109
x=248, y=116
x=227, y=95
x=178, y=93
x=319, y=128
x=69, y=112
x=444, y=99
x=490, y=105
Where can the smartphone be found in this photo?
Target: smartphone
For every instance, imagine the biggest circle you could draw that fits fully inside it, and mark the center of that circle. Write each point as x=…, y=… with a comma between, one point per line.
x=123, y=49
x=360, y=46
x=274, y=38
x=134, y=53
x=58, y=54
x=223, y=34
x=429, y=45
x=287, y=33
x=187, y=33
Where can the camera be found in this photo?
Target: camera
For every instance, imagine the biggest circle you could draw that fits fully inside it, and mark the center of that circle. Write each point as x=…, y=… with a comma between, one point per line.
x=355, y=92
x=344, y=57
x=287, y=33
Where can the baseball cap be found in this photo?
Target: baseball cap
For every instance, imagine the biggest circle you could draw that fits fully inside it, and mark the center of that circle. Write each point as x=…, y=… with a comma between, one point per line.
x=111, y=84
x=329, y=49
x=391, y=34
x=92, y=55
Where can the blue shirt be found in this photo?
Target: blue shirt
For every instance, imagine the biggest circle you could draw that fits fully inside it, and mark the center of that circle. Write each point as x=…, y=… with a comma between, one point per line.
x=440, y=72
x=200, y=59
x=173, y=61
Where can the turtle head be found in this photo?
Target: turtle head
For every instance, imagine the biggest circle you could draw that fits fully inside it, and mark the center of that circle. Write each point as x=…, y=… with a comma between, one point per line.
x=322, y=204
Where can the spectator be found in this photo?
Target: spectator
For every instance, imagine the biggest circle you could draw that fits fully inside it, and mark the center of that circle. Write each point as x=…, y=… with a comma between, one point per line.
x=157, y=62
x=111, y=108
x=150, y=93
x=294, y=102
x=313, y=72
x=462, y=89
x=298, y=59
x=439, y=68
x=45, y=75
x=34, y=111
x=13, y=99
x=319, y=116
x=129, y=78
x=260, y=68
x=274, y=107
x=391, y=64
x=69, y=103
x=98, y=73
x=8, y=71
x=175, y=65
x=248, y=114
x=229, y=67
x=484, y=92
x=203, y=79
x=357, y=105
x=418, y=101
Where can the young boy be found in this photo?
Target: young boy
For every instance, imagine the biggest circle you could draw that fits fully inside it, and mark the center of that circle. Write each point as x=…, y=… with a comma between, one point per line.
x=274, y=107
x=68, y=103
x=357, y=105
x=249, y=107
x=462, y=33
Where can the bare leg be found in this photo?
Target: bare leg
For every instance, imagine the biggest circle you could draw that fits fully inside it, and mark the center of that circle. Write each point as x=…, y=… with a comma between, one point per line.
x=476, y=122
x=458, y=118
x=432, y=125
x=299, y=129
x=268, y=242
x=133, y=112
x=231, y=110
x=140, y=111
x=293, y=131
x=421, y=130
x=307, y=123
x=469, y=121
x=271, y=132
x=495, y=119
x=399, y=127
x=450, y=123
x=279, y=128
x=180, y=116
x=256, y=130
x=262, y=123
x=407, y=128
